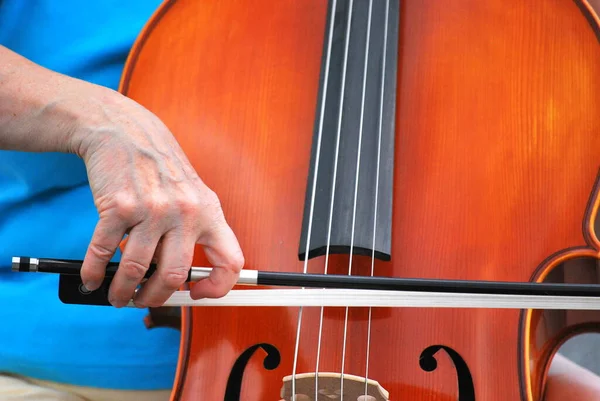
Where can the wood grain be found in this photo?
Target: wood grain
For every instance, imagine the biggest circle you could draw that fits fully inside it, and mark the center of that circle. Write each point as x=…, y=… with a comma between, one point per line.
x=497, y=154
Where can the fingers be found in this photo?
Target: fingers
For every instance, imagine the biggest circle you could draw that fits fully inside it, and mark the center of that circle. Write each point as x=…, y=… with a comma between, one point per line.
x=173, y=264
x=224, y=253
x=135, y=261
x=105, y=240
x=173, y=253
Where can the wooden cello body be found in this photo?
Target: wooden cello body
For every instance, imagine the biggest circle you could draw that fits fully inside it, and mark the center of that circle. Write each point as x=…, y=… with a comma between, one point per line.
x=473, y=154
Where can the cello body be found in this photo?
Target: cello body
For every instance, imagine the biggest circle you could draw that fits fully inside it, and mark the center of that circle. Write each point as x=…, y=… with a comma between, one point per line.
x=484, y=154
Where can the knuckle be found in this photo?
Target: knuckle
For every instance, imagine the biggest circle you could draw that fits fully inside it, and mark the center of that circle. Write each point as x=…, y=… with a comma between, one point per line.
x=187, y=205
x=133, y=270
x=100, y=251
x=174, y=277
x=237, y=262
x=194, y=201
x=126, y=206
x=203, y=209
x=157, y=205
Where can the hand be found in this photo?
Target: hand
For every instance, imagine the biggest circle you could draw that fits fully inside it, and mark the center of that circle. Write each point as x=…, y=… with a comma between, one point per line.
x=144, y=185
x=141, y=180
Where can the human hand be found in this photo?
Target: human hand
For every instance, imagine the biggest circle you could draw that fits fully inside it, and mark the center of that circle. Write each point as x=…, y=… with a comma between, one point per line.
x=141, y=180
x=144, y=185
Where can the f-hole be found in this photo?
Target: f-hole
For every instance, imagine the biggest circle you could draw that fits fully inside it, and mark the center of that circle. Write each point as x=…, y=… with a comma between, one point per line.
x=234, y=383
x=466, y=389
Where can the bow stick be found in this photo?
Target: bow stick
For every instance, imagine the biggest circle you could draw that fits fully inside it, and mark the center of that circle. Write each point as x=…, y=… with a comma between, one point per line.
x=364, y=291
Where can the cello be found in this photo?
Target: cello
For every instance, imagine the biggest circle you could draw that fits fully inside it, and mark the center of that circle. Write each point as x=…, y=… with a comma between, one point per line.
x=455, y=140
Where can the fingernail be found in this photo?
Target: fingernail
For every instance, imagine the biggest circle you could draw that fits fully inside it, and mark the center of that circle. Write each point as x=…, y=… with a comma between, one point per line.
x=117, y=303
x=138, y=303
x=92, y=285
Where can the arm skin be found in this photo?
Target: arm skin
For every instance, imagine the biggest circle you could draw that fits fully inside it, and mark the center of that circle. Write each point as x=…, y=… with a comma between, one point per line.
x=37, y=107
x=141, y=180
x=569, y=381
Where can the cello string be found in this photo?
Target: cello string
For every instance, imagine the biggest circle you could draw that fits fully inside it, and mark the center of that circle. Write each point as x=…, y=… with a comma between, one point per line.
x=358, y=157
x=379, y=129
x=335, y=169
x=314, y=188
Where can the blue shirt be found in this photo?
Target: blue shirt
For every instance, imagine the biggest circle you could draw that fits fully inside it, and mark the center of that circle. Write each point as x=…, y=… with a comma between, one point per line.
x=47, y=210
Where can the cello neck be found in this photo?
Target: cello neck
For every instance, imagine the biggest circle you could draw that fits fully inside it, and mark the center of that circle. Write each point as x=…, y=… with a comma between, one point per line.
x=348, y=203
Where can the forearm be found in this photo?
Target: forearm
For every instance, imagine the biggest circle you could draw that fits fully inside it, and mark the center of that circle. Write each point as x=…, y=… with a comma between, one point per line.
x=37, y=106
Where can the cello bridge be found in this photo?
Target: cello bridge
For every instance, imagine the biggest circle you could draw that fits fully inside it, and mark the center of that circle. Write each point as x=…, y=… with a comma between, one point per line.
x=355, y=388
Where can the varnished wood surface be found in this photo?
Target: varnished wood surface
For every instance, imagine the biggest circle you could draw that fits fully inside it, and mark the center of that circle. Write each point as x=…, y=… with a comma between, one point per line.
x=497, y=154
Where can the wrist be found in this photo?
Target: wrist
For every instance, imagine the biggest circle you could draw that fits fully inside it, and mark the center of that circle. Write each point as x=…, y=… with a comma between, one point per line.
x=86, y=111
